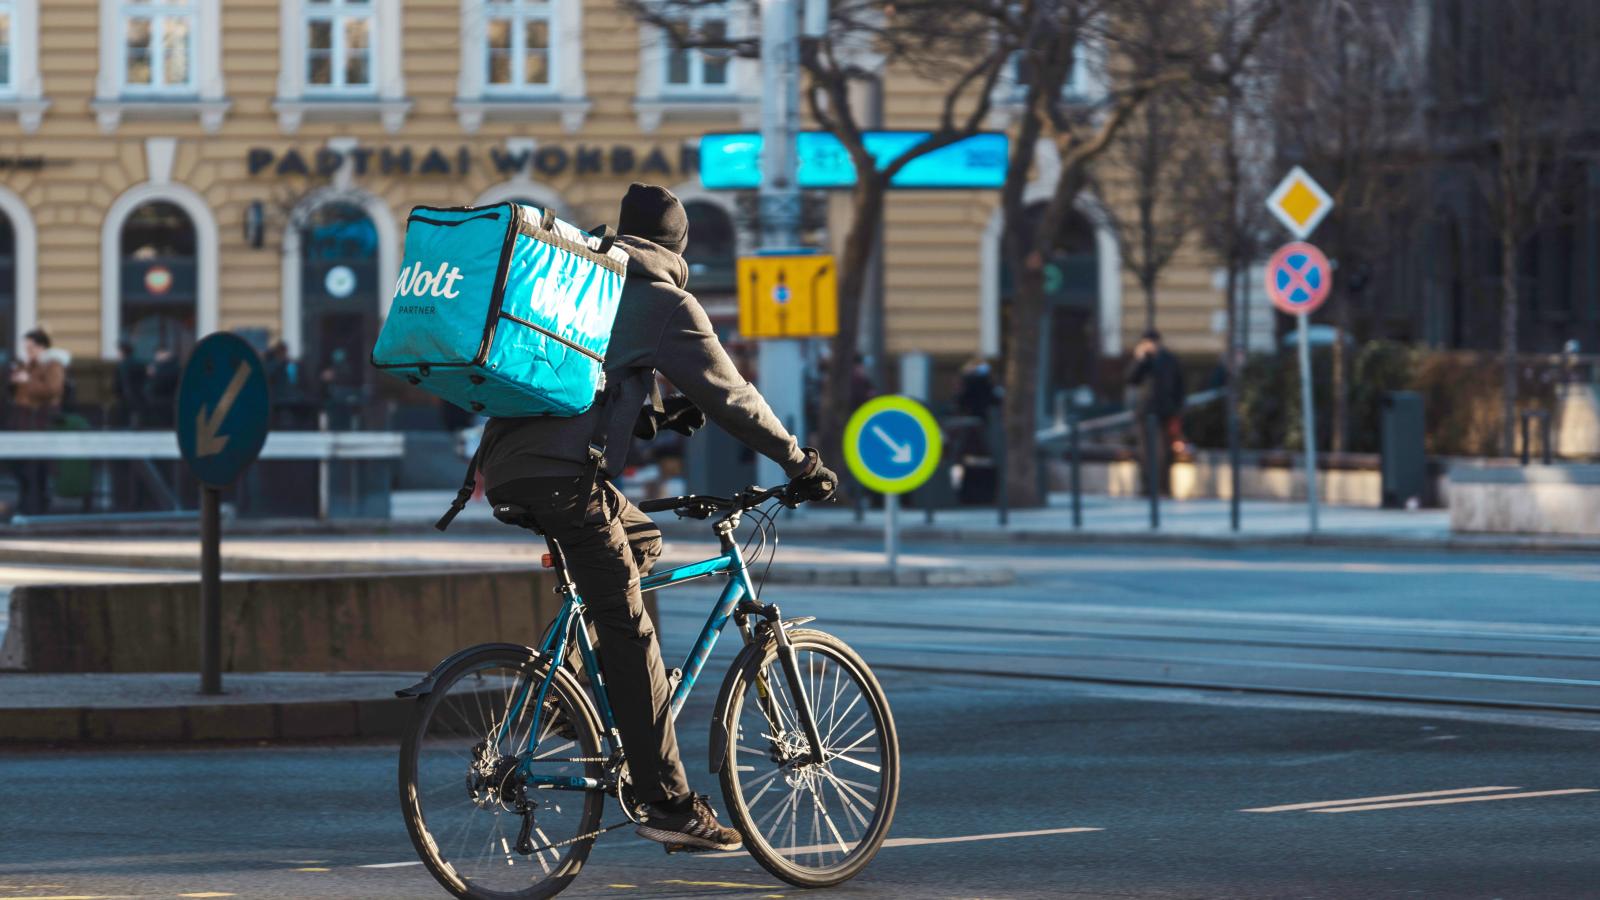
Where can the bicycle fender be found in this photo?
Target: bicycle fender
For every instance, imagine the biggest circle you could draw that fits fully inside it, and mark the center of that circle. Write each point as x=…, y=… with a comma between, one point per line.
x=425, y=687
x=748, y=661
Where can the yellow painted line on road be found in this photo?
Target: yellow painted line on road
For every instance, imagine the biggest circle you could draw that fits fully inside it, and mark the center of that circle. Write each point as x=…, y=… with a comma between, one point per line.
x=312, y=869
x=720, y=884
x=622, y=886
x=1361, y=801
x=205, y=894
x=1442, y=801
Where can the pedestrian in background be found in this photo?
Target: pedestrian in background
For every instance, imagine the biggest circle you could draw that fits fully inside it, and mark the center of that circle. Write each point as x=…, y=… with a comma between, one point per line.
x=128, y=387
x=1155, y=373
x=38, y=384
x=161, y=389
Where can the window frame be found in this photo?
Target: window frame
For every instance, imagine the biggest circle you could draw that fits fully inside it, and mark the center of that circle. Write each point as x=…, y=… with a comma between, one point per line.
x=8, y=88
x=697, y=86
x=158, y=12
x=521, y=12
x=337, y=13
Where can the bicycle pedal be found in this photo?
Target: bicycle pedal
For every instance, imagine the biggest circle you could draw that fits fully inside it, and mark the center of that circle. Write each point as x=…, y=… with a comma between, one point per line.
x=684, y=848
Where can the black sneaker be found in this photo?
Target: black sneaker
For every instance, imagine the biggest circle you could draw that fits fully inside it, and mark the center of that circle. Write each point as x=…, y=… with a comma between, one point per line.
x=695, y=827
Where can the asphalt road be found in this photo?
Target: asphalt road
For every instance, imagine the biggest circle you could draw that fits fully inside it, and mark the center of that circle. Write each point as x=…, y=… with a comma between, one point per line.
x=1038, y=744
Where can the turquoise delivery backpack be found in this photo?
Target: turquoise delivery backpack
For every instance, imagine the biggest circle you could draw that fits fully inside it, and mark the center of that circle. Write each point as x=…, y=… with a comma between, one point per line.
x=503, y=310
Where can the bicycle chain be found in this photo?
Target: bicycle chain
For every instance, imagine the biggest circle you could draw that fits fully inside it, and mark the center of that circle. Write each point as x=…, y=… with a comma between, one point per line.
x=578, y=839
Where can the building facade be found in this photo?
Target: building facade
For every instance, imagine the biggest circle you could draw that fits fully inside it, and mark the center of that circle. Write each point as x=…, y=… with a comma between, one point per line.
x=167, y=170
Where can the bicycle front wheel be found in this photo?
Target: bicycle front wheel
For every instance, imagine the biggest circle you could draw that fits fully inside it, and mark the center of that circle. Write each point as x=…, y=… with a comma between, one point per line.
x=481, y=828
x=811, y=824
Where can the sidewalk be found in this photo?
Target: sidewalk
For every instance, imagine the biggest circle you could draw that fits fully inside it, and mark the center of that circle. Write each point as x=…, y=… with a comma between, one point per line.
x=106, y=708
x=1189, y=522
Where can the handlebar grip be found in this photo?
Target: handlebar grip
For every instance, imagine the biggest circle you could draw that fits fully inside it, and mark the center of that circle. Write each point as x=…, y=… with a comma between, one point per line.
x=663, y=505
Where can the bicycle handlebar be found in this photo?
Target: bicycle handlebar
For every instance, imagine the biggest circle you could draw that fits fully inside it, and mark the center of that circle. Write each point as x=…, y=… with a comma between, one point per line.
x=703, y=506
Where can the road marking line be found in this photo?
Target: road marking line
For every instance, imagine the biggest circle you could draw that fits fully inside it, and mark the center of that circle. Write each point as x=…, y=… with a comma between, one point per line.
x=414, y=862
x=721, y=884
x=920, y=842
x=1459, y=800
x=1291, y=807
x=312, y=869
x=208, y=894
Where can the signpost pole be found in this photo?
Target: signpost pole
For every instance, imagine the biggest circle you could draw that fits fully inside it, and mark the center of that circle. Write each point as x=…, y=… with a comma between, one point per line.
x=1308, y=415
x=210, y=590
x=891, y=531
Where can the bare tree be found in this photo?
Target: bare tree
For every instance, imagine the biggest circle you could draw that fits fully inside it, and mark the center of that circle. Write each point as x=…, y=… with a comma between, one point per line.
x=1157, y=153
x=1050, y=35
x=1511, y=76
x=952, y=42
x=1345, y=108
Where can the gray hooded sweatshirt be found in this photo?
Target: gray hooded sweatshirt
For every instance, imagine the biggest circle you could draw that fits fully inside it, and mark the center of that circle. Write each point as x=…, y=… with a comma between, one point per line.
x=660, y=327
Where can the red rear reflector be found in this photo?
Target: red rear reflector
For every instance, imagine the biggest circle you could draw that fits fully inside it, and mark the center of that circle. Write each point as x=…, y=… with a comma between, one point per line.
x=548, y=561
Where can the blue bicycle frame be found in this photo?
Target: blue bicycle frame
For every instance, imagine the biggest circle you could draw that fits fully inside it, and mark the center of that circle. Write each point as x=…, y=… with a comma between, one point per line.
x=739, y=587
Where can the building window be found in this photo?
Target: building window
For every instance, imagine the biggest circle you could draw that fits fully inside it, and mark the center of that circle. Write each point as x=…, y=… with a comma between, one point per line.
x=518, y=50
x=160, y=59
x=159, y=279
x=521, y=60
x=700, y=70
x=339, y=60
x=339, y=45
x=158, y=46
x=8, y=80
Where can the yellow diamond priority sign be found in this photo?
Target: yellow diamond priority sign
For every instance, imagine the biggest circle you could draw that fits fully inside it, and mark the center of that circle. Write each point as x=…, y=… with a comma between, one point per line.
x=1299, y=203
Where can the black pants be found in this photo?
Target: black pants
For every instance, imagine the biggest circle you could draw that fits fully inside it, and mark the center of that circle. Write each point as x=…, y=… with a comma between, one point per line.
x=1152, y=434
x=608, y=544
x=33, y=486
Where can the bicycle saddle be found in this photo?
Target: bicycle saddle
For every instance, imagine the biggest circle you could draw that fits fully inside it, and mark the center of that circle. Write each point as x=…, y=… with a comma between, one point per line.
x=512, y=514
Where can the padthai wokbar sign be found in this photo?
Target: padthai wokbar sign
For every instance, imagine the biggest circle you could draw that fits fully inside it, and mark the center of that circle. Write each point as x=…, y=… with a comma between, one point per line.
x=547, y=160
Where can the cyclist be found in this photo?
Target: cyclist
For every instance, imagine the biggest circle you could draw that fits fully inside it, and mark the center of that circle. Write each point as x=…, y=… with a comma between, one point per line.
x=546, y=465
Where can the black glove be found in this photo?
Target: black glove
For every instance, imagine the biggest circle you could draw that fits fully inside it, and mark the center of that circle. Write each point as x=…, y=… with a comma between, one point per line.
x=816, y=484
x=678, y=413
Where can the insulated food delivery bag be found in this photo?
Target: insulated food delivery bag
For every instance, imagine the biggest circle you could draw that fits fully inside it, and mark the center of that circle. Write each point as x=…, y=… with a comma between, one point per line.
x=503, y=310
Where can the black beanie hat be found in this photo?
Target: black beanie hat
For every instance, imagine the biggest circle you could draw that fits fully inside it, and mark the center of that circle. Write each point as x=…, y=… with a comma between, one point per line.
x=651, y=212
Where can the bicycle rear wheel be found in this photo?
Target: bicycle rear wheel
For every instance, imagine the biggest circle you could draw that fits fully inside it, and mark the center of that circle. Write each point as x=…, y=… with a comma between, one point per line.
x=465, y=804
x=810, y=824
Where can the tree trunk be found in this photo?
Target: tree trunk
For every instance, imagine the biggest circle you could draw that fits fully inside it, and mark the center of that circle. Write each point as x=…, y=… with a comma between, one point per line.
x=1508, y=342
x=1022, y=388
x=837, y=403
x=1149, y=285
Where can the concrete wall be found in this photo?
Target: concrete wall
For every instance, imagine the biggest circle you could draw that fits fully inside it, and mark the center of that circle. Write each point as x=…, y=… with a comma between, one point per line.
x=1209, y=477
x=1512, y=499
x=370, y=622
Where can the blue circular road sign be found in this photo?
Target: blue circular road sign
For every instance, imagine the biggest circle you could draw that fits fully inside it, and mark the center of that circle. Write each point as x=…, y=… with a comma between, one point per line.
x=223, y=409
x=892, y=444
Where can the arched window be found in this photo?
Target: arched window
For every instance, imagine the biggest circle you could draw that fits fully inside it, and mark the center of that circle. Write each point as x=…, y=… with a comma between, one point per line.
x=713, y=248
x=159, y=279
x=8, y=288
x=339, y=292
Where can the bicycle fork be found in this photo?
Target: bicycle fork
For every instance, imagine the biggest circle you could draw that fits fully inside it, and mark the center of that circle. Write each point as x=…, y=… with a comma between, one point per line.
x=790, y=664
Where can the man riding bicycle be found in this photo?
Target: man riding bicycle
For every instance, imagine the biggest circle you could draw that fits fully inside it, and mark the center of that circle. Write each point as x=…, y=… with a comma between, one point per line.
x=542, y=463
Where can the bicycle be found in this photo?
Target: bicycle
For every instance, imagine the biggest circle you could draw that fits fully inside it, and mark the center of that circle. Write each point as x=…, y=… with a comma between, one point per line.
x=506, y=768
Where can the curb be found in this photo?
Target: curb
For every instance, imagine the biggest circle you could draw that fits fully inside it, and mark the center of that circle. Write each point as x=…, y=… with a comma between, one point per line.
x=1488, y=543
x=381, y=718
x=781, y=573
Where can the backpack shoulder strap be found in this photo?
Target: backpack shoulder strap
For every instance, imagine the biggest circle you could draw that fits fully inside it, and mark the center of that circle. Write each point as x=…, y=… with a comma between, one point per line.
x=463, y=496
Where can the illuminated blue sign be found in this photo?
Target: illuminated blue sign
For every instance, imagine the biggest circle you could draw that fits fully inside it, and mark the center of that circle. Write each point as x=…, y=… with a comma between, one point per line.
x=733, y=161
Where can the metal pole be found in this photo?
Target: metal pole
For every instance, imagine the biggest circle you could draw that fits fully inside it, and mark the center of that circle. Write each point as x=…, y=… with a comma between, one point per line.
x=1525, y=449
x=1546, y=451
x=781, y=360
x=1309, y=417
x=1234, y=491
x=891, y=531
x=1076, y=463
x=998, y=452
x=210, y=591
x=1152, y=478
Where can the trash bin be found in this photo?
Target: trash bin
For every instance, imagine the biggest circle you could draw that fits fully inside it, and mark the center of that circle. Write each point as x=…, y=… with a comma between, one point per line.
x=1404, y=458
